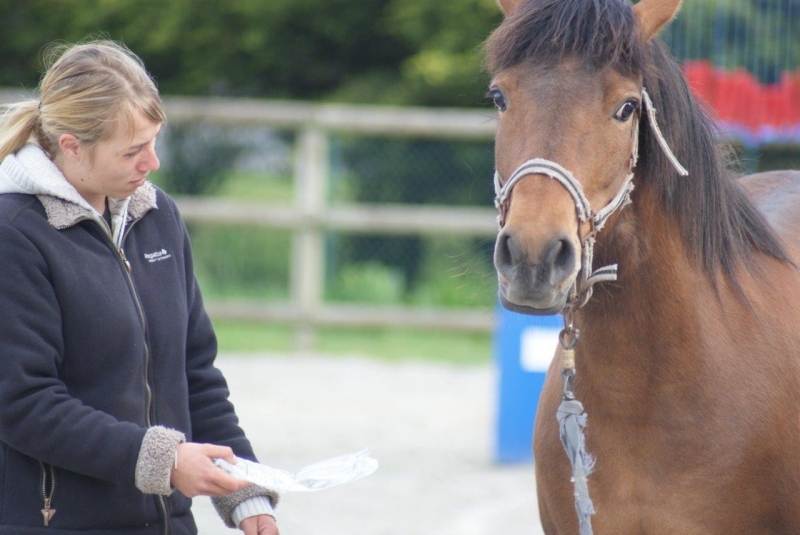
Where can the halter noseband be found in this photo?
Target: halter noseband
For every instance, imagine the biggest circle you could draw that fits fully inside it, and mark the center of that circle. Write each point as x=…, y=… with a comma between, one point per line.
x=581, y=289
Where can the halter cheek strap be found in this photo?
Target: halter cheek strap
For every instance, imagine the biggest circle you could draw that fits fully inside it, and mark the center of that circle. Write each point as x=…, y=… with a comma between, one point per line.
x=581, y=290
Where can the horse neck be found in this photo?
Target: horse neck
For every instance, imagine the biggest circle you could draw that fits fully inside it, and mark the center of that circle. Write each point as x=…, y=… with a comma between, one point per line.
x=639, y=332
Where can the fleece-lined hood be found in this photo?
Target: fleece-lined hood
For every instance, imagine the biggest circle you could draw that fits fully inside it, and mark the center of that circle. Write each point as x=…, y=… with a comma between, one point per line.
x=30, y=170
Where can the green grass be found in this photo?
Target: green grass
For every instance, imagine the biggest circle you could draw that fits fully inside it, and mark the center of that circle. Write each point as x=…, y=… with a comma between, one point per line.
x=383, y=344
x=252, y=187
x=245, y=337
x=256, y=187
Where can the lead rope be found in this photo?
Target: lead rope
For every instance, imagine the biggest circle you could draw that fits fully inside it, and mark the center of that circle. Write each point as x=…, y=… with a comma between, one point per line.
x=571, y=425
x=571, y=416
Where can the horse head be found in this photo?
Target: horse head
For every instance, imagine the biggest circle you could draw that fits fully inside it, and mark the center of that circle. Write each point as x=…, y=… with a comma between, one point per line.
x=570, y=97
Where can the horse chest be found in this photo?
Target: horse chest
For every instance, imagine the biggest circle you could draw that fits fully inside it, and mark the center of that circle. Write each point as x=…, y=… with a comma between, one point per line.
x=666, y=475
x=637, y=495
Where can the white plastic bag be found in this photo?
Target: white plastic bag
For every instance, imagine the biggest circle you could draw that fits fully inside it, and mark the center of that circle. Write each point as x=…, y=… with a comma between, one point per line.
x=317, y=476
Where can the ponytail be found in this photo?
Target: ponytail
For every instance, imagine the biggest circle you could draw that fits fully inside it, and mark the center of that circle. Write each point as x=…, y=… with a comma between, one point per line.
x=18, y=125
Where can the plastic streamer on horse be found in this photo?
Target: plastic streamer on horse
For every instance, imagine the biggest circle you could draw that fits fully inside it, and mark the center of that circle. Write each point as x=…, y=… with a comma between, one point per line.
x=571, y=416
x=571, y=425
x=314, y=477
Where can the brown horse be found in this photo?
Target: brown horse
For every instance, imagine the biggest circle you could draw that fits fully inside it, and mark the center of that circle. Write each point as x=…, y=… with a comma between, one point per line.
x=688, y=365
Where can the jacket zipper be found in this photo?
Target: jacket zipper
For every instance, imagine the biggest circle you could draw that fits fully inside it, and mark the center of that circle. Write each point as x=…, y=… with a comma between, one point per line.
x=47, y=497
x=148, y=390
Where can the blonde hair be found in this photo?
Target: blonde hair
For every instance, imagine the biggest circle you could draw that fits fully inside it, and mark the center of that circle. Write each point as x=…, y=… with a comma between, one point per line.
x=88, y=90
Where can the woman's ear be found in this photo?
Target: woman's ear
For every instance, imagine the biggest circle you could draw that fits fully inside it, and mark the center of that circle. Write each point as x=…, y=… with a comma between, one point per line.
x=70, y=146
x=653, y=15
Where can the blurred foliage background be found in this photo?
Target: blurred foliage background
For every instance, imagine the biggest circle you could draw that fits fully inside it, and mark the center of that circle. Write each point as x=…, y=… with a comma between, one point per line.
x=421, y=52
x=381, y=51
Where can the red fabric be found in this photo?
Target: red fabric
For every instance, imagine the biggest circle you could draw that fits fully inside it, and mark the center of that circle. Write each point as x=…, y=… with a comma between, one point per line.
x=739, y=99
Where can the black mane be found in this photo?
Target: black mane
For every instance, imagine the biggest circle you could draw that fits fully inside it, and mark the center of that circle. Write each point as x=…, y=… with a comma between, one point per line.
x=720, y=226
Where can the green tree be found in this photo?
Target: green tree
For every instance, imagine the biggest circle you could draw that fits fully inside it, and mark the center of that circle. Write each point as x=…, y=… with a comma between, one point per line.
x=280, y=48
x=424, y=52
x=446, y=37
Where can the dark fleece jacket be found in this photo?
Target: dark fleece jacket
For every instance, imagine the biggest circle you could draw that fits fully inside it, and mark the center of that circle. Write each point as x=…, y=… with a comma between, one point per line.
x=92, y=356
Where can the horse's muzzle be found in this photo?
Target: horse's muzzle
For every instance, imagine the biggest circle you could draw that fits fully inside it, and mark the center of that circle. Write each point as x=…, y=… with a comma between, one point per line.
x=532, y=283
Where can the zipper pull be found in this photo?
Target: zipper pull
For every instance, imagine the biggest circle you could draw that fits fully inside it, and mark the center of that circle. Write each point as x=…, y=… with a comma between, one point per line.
x=125, y=260
x=47, y=513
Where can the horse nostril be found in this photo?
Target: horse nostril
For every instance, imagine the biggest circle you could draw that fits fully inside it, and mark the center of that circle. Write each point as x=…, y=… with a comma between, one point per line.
x=560, y=258
x=504, y=251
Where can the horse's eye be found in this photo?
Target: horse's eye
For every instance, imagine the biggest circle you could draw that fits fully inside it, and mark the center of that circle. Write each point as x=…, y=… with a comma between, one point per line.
x=499, y=99
x=625, y=112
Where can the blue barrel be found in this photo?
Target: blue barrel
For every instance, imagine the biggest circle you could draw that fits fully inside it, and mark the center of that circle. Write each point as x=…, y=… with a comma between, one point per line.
x=524, y=347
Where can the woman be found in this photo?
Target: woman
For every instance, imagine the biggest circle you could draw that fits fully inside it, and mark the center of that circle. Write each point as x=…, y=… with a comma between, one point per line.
x=112, y=409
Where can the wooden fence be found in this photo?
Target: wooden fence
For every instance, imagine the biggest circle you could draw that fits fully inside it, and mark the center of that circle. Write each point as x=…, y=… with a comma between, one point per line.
x=311, y=216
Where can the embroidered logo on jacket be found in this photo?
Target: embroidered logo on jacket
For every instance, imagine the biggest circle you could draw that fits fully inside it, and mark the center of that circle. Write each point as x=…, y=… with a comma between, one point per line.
x=157, y=256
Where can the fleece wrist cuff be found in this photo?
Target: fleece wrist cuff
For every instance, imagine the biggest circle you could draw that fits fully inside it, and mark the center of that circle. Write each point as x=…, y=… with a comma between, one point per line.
x=225, y=505
x=156, y=460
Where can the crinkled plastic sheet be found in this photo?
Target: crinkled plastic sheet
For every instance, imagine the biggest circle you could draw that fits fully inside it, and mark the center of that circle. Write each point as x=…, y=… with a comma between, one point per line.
x=314, y=477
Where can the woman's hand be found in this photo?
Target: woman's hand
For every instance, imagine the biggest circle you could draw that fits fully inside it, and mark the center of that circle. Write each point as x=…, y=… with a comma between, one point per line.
x=196, y=474
x=259, y=525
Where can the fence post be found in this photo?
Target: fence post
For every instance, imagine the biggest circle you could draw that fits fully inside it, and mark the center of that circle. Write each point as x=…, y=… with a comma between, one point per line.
x=308, y=253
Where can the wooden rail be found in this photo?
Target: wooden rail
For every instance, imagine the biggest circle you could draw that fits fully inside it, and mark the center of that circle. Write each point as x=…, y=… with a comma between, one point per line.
x=353, y=218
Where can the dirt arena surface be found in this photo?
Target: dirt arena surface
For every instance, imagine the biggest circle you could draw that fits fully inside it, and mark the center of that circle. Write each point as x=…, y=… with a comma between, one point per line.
x=431, y=427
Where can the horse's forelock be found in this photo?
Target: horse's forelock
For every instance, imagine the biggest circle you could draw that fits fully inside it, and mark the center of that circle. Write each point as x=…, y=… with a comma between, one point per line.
x=600, y=33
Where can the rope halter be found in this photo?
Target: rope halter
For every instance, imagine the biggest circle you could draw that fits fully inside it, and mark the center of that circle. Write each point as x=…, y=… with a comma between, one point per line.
x=581, y=289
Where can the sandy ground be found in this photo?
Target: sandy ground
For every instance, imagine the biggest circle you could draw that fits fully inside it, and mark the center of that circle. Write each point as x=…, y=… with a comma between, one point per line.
x=430, y=426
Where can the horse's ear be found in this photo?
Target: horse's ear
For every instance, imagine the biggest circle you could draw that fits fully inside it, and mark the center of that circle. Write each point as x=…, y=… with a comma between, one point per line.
x=653, y=15
x=509, y=7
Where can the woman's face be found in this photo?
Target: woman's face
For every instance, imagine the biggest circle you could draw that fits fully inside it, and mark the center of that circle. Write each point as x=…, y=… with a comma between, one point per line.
x=120, y=164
